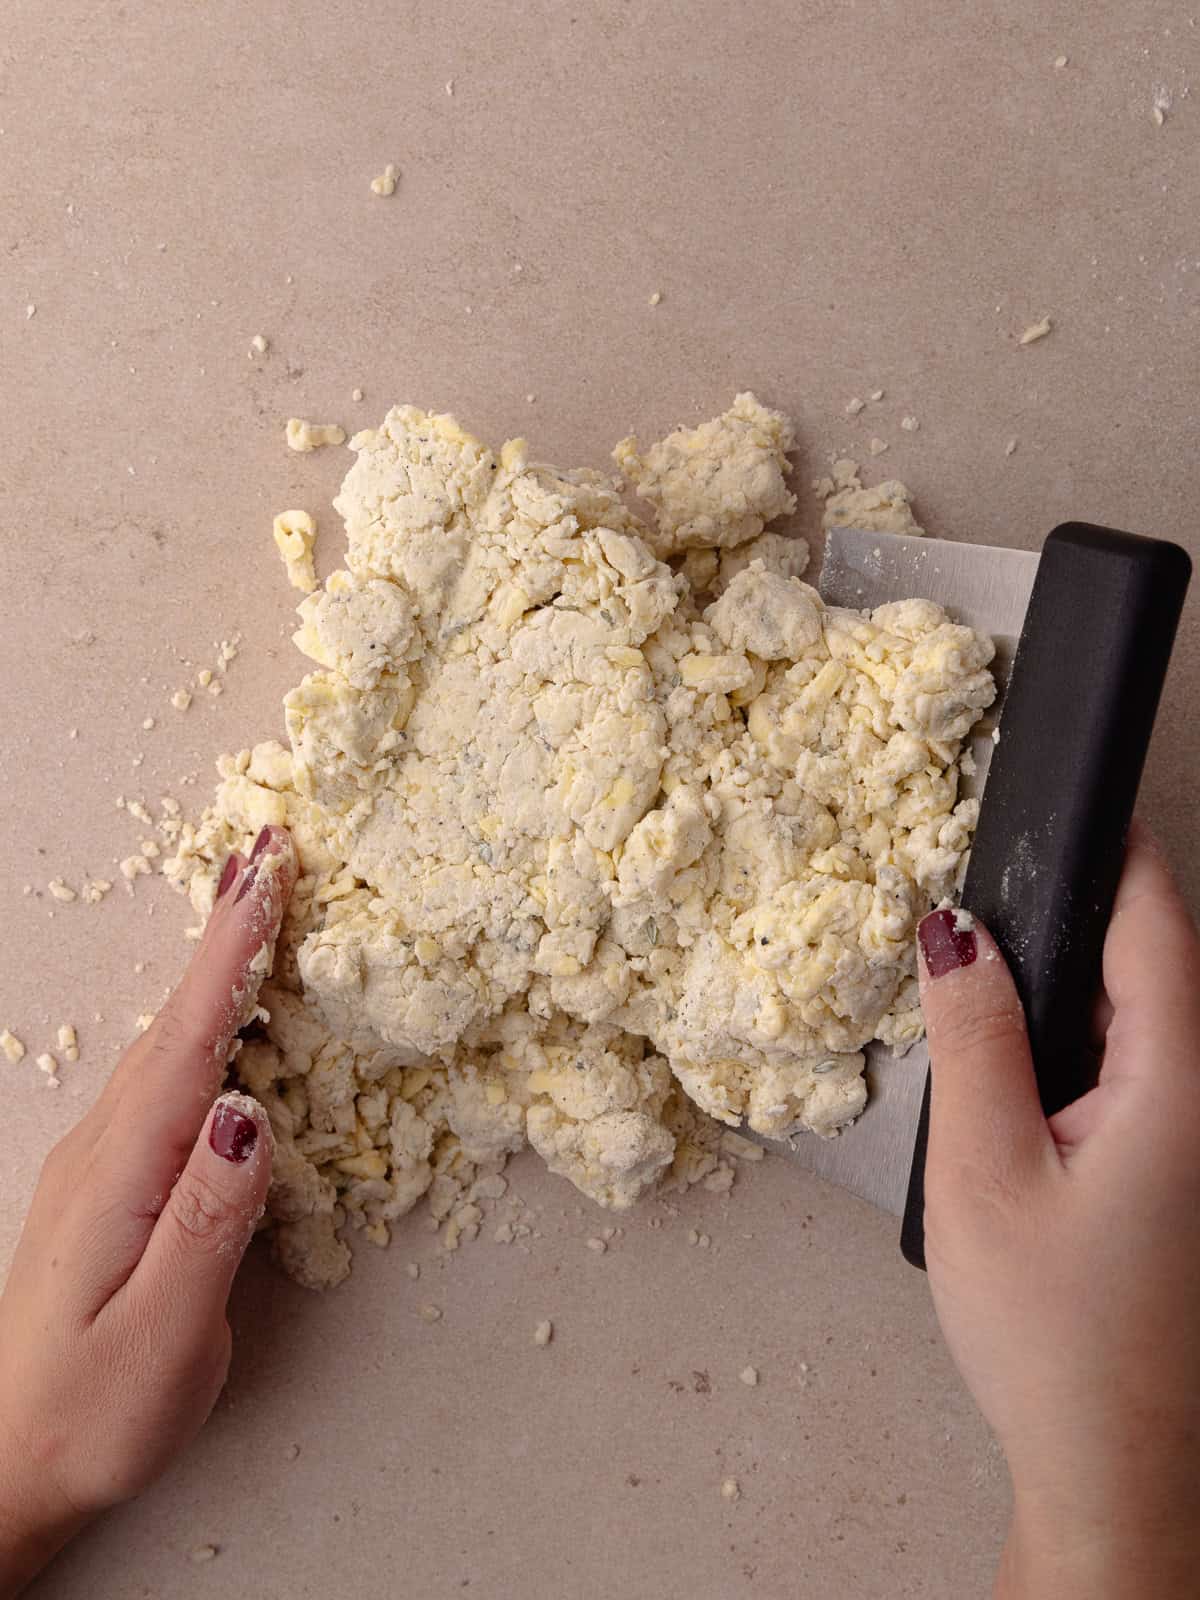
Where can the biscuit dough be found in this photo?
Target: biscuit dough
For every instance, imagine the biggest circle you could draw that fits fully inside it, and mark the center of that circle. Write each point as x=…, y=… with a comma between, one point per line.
x=582, y=847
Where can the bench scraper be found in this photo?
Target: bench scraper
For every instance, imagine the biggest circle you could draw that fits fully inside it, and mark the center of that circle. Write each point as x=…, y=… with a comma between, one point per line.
x=1083, y=635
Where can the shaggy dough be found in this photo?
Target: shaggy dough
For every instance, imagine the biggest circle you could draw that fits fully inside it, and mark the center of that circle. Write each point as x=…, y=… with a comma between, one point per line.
x=570, y=842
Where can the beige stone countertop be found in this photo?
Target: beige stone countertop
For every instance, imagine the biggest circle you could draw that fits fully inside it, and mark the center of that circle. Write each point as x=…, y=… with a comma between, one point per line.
x=830, y=198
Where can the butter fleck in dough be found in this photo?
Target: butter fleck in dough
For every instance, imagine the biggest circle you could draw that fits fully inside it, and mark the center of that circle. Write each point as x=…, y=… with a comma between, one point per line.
x=597, y=822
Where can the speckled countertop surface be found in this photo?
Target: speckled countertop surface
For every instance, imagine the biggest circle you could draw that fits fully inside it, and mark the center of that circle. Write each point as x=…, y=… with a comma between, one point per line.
x=831, y=198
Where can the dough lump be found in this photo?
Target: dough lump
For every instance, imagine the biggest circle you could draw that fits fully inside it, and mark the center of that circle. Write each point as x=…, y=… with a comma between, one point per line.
x=582, y=850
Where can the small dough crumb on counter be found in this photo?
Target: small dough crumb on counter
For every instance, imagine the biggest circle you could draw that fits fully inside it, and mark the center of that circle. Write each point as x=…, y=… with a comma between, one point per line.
x=295, y=533
x=428, y=1312
x=181, y=699
x=48, y=1065
x=1036, y=331
x=909, y=424
x=61, y=891
x=385, y=183
x=14, y=1050
x=203, y=1552
x=543, y=1333
x=305, y=436
x=749, y=1376
x=258, y=346
x=731, y=1489
x=68, y=1041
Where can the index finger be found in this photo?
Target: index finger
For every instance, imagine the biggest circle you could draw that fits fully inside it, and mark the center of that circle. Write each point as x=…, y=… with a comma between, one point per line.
x=165, y=1085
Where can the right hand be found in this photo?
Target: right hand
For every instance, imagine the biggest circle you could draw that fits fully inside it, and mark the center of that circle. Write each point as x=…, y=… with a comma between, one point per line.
x=1063, y=1253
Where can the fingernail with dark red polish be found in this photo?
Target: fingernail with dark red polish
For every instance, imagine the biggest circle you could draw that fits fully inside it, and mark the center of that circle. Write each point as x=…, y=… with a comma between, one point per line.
x=260, y=844
x=233, y=1134
x=247, y=883
x=947, y=940
x=228, y=874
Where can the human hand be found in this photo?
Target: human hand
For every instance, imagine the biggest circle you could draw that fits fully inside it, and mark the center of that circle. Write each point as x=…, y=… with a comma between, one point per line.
x=113, y=1339
x=1062, y=1253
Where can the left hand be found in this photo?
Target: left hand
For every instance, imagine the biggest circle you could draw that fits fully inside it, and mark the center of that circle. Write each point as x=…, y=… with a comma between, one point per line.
x=114, y=1343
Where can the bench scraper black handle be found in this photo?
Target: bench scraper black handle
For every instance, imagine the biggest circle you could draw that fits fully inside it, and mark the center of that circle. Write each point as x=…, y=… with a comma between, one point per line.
x=1060, y=790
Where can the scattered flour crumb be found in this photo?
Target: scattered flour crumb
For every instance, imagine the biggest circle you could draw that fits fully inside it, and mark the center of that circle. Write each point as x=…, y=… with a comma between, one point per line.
x=295, y=533
x=656, y=298
x=413, y=1269
x=134, y=867
x=13, y=1049
x=204, y=677
x=181, y=699
x=144, y=1020
x=385, y=183
x=30, y=310
x=203, y=1552
x=731, y=1489
x=854, y=406
x=909, y=424
x=598, y=1245
x=450, y=86
x=749, y=1376
x=1161, y=105
x=877, y=446
x=876, y=394
x=1060, y=62
x=356, y=394
x=258, y=346
x=1036, y=331
x=964, y=922
x=47, y=1064
x=292, y=1453
x=704, y=1241
x=68, y=1041
x=94, y=890
x=62, y=891
x=147, y=724
x=428, y=1312
x=543, y=1333
x=304, y=436
x=1010, y=447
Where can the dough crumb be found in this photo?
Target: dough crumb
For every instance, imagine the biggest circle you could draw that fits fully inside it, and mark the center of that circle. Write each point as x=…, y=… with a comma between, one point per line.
x=13, y=1049
x=1060, y=62
x=295, y=533
x=909, y=424
x=428, y=1312
x=656, y=297
x=450, y=86
x=385, y=184
x=1010, y=447
x=258, y=346
x=94, y=890
x=62, y=891
x=292, y=1453
x=413, y=1269
x=203, y=1552
x=1161, y=104
x=30, y=311
x=144, y=1020
x=47, y=1064
x=964, y=922
x=731, y=1489
x=204, y=677
x=883, y=508
x=749, y=1376
x=68, y=1041
x=304, y=436
x=877, y=446
x=598, y=1245
x=356, y=394
x=876, y=394
x=543, y=1333
x=181, y=699
x=132, y=867
x=147, y=724
x=853, y=407
x=1036, y=331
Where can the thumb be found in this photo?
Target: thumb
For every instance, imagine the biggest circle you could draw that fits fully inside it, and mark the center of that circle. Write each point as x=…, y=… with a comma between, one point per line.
x=200, y=1237
x=987, y=1132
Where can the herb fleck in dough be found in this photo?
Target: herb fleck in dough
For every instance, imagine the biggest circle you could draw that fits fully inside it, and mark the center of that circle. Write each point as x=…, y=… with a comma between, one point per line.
x=598, y=822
